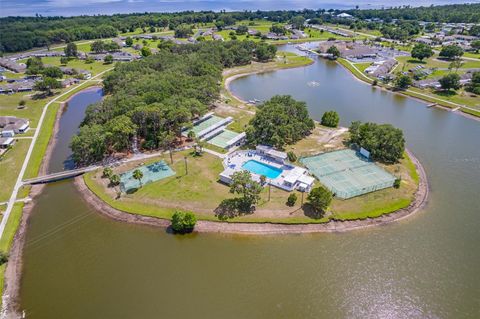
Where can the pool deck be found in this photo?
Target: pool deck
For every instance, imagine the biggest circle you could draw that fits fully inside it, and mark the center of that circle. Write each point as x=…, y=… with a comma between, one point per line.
x=235, y=161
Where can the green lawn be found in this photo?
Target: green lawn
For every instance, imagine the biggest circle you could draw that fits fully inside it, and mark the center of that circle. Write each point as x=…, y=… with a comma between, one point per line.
x=94, y=68
x=200, y=192
x=362, y=66
x=7, y=238
x=42, y=141
x=10, y=165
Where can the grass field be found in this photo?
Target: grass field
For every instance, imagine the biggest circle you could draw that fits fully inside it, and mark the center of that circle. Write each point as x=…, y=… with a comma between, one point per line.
x=7, y=238
x=200, y=191
x=94, y=68
x=10, y=166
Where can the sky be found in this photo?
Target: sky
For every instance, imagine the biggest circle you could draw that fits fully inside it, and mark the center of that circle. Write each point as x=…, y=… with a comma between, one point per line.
x=91, y=7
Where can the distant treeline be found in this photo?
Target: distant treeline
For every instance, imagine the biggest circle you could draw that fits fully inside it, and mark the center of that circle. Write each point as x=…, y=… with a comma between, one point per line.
x=456, y=13
x=150, y=100
x=23, y=33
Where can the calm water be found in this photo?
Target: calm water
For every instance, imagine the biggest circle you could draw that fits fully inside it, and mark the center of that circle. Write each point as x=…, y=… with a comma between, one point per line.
x=79, y=264
x=72, y=115
x=90, y=7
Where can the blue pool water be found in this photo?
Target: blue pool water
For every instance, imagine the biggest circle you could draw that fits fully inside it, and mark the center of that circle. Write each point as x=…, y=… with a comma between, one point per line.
x=262, y=169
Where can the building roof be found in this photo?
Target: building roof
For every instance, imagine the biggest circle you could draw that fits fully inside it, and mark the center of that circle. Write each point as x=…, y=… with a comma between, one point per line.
x=272, y=152
x=5, y=141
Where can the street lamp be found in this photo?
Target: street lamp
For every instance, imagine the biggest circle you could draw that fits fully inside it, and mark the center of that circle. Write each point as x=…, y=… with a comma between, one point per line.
x=186, y=166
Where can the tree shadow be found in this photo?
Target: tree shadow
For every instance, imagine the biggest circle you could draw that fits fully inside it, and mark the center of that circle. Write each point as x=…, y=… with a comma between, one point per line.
x=445, y=93
x=231, y=208
x=132, y=190
x=312, y=213
x=416, y=61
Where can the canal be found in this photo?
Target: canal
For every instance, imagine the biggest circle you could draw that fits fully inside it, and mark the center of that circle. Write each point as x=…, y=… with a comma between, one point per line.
x=79, y=264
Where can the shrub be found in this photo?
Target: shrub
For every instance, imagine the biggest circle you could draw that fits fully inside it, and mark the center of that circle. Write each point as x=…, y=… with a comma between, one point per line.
x=3, y=257
x=402, y=82
x=330, y=119
x=292, y=199
x=397, y=182
x=292, y=157
x=183, y=222
x=108, y=59
x=107, y=172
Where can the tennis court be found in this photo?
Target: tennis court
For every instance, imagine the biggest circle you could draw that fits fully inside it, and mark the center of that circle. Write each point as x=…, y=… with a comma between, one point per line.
x=347, y=174
x=151, y=173
x=199, y=127
x=221, y=140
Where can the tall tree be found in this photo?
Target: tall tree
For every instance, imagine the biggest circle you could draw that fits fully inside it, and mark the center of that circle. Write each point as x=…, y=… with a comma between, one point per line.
x=421, y=51
x=243, y=184
x=320, y=198
x=71, y=50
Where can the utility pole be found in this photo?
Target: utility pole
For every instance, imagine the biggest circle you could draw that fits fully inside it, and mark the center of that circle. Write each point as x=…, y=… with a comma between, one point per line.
x=269, y=190
x=186, y=166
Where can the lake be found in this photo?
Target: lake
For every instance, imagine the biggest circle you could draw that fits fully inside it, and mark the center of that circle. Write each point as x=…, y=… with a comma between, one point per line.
x=79, y=264
x=91, y=7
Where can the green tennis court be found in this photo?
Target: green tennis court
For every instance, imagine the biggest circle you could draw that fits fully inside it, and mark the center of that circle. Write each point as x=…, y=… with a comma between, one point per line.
x=151, y=173
x=197, y=128
x=221, y=139
x=347, y=174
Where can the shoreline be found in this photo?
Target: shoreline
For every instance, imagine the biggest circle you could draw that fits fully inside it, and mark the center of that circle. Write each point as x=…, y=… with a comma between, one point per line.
x=13, y=271
x=426, y=102
x=229, y=78
x=419, y=201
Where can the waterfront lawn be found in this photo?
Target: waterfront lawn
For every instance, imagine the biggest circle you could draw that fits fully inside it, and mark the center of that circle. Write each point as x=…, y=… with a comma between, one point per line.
x=7, y=238
x=362, y=66
x=201, y=192
x=10, y=165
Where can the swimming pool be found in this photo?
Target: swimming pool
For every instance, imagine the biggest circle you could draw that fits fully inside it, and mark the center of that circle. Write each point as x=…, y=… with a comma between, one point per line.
x=262, y=169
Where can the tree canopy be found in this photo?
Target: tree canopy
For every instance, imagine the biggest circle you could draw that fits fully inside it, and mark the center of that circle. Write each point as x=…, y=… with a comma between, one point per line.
x=243, y=184
x=451, y=52
x=24, y=33
x=330, y=119
x=450, y=81
x=155, y=97
x=183, y=222
x=384, y=142
x=320, y=198
x=402, y=82
x=280, y=121
x=421, y=51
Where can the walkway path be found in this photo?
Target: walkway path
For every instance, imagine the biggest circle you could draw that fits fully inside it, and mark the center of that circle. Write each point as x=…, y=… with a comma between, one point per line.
x=19, y=182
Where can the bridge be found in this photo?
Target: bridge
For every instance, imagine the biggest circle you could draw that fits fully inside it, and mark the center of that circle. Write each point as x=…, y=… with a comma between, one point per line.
x=59, y=176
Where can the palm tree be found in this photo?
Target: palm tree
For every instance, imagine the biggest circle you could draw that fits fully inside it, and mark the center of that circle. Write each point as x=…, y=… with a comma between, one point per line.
x=114, y=180
x=107, y=172
x=138, y=175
